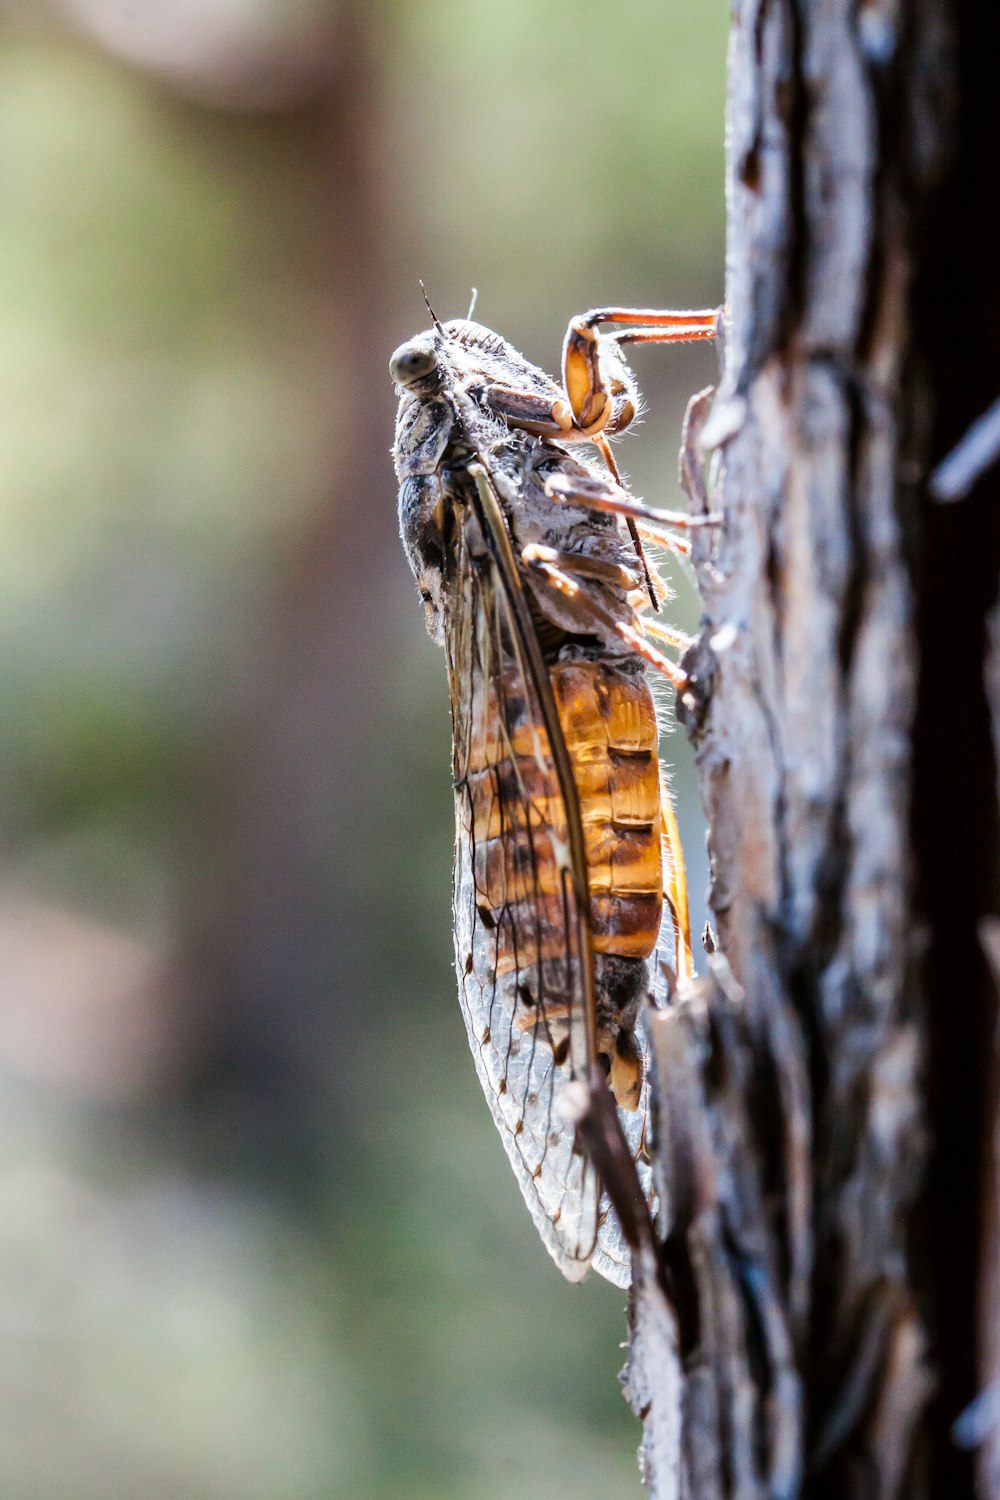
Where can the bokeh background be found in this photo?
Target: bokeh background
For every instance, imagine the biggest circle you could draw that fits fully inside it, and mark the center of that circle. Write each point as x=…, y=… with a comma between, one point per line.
x=258, y=1238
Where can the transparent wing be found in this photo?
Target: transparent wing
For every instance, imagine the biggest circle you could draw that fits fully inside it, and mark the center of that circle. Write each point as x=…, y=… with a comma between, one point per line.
x=525, y=985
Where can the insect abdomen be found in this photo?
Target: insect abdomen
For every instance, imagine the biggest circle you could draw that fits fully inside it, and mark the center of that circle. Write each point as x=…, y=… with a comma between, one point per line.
x=609, y=724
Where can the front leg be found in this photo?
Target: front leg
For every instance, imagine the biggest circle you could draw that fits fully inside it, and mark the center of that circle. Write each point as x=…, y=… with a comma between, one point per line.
x=599, y=385
x=601, y=389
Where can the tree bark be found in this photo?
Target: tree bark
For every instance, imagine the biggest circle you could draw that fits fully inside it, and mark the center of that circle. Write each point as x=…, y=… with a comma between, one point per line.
x=824, y=1308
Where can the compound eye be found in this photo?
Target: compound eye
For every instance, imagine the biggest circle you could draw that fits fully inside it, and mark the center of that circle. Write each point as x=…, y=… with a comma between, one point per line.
x=412, y=361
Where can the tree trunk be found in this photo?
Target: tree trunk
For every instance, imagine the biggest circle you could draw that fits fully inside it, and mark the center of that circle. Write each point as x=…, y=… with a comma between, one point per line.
x=825, y=1307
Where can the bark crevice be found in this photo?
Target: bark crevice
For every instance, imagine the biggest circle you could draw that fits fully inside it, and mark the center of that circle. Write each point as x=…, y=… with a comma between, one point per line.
x=800, y=1083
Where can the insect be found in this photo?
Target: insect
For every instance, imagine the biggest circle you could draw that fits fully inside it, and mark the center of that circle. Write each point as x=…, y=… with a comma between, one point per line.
x=527, y=552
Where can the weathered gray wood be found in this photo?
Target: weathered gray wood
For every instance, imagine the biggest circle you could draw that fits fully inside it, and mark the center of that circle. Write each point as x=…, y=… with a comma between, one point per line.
x=801, y=1084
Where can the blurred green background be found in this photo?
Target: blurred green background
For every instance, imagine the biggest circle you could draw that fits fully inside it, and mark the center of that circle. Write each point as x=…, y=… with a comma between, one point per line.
x=258, y=1237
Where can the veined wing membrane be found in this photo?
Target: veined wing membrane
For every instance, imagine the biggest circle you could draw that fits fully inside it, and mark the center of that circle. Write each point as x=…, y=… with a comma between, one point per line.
x=521, y=913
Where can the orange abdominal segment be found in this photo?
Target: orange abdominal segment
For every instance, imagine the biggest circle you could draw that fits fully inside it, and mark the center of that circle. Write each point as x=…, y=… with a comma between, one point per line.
x=609, y=725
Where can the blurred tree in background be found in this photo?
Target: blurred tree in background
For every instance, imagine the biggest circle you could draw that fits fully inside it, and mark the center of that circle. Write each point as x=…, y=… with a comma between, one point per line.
x=258, y=1236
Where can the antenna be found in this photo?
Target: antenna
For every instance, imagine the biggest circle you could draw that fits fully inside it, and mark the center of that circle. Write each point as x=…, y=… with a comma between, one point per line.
x=434, y=317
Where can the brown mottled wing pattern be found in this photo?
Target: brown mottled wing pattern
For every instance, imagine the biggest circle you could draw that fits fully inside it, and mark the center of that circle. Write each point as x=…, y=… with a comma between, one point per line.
x=523, y=982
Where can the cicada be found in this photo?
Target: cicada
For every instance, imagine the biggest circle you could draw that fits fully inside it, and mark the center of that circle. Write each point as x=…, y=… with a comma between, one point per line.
x=527, y=552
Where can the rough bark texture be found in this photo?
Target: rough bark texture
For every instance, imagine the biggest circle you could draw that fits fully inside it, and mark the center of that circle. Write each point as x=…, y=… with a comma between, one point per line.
x=826, y=1305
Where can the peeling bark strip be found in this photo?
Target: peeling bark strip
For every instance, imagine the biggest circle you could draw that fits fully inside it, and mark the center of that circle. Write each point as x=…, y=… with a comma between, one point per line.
x=812, y=1327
